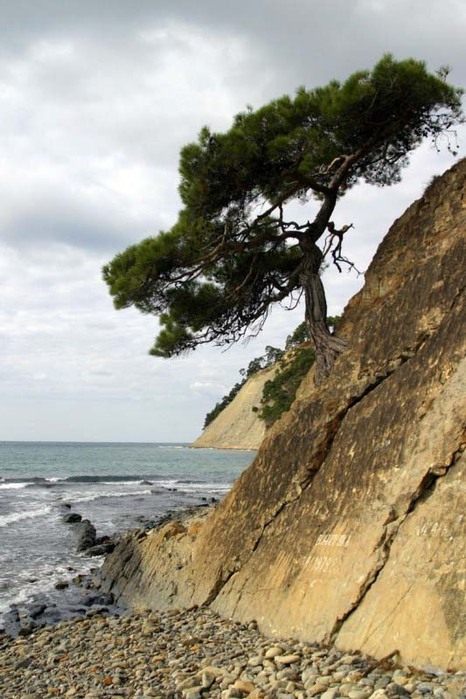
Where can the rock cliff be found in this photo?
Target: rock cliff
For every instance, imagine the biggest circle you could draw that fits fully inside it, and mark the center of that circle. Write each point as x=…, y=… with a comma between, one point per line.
x=237, y=426
x=350, y=526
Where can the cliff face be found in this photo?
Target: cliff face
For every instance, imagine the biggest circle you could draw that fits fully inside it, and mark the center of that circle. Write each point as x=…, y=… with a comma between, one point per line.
x=238, y=427
x=350, y=527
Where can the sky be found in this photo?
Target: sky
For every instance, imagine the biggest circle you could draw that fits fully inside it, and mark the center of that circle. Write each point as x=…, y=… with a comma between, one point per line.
x=96, y=99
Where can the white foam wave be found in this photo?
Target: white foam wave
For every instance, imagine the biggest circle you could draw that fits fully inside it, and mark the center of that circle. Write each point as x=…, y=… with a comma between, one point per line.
x=213, y=488
x=171, y=446
x=11, y=486
x=203, y=487
x=5, y=520
x=98, y=496
x=47, y=576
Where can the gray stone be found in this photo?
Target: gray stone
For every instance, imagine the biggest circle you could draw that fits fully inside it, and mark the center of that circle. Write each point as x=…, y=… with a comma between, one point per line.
x=72, y=518
x=85, y=535
x=287, y=659
x=330, y=693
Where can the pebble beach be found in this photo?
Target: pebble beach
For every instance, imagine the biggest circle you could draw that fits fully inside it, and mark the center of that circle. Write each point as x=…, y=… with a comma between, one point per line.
x=191, y=654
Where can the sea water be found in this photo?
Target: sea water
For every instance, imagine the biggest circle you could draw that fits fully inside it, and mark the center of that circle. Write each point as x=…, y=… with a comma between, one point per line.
x=117, y=486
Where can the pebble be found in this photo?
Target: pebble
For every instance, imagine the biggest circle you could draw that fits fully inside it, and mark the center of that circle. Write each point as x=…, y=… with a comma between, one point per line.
x=194, y=654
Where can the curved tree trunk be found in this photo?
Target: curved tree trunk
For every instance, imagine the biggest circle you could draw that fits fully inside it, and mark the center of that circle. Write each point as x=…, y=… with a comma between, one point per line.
x=327, y=346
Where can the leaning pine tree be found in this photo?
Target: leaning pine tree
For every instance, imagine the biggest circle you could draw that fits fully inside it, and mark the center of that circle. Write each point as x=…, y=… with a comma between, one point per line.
x=234, y=251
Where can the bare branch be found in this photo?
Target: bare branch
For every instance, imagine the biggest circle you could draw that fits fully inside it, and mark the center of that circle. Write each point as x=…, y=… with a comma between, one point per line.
x=336, y=252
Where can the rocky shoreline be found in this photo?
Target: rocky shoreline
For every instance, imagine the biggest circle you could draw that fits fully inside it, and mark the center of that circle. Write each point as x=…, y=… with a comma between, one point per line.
x=191, y=654
x=108, y=652
x=74, y=596
x=79, y=595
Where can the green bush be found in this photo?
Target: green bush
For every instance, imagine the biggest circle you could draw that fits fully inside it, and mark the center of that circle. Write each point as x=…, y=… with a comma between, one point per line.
x=222, y=404
x=280, y=392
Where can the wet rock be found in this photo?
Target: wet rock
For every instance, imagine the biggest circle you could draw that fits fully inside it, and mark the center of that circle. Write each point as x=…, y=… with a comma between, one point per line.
x=61, y=585
x=85, y=534
x=103, y=599
x=36, y=610
x=100, y=549
x=72, y=518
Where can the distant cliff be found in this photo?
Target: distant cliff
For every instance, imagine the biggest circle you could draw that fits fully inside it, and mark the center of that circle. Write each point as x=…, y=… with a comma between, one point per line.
x=349, y=527
x=238, y=427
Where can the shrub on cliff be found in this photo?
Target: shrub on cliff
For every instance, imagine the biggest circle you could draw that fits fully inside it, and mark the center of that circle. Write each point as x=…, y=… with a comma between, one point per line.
x=280, y=391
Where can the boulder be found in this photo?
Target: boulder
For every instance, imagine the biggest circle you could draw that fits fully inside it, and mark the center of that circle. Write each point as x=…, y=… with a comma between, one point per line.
x=61, y=585
x=72, y=518
x=100, y=549
x=85, y=534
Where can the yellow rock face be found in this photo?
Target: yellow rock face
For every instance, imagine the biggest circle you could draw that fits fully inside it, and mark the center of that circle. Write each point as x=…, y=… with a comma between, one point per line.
x=238, y=427
x=350, y=525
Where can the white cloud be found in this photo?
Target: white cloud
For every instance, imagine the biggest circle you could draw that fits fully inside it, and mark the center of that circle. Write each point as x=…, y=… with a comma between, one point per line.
x=96, y=102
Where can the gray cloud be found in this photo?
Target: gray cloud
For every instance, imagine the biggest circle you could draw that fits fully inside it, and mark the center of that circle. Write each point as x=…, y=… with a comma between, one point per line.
x=97, y=98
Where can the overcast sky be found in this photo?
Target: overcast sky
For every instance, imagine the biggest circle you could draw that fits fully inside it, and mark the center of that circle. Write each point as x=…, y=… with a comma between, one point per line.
x=96, y=99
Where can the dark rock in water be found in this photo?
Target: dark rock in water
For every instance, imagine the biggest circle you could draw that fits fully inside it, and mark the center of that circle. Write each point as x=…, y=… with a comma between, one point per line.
x=84, y=581
x=11, y=618
x=80, y=599
x=102, y=546
x=100, y=549
x=86, y=535
x=72, y=518
x=103, y=540
x=62, y=585
x=106, y=598
x=36, y=610
x=98, y=599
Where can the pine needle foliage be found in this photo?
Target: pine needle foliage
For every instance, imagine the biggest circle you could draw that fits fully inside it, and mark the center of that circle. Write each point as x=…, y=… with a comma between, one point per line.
x=233, y=253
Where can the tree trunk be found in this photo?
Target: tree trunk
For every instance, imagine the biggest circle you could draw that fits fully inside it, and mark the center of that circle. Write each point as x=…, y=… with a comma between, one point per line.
x=327, y=346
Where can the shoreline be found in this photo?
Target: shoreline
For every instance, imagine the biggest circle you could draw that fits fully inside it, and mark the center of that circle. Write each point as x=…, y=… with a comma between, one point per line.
x=111, y=651
x=193, y=654
x=79, y=595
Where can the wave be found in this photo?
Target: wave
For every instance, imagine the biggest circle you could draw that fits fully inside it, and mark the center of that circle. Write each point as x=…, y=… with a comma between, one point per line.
x=47, y=482
x=5, y=520
x=25, y=591
x=189, y=480
x=102, y=479
x=172, y=446
x=213, y=488
x=160, y=488
x=113, y=478
x=104, y=496
x=12, y=485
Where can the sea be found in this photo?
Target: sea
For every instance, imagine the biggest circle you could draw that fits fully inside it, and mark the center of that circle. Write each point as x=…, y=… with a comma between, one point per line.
x=117, y=486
